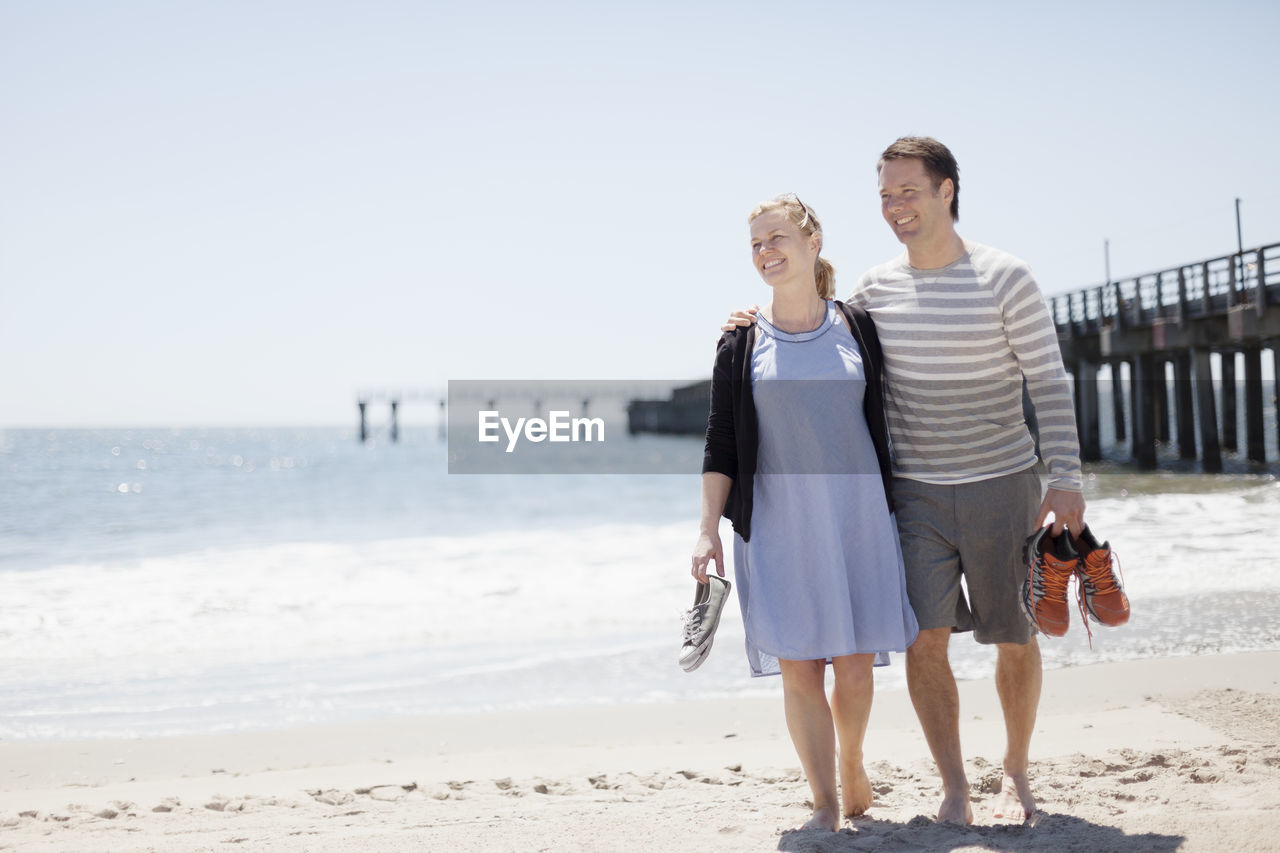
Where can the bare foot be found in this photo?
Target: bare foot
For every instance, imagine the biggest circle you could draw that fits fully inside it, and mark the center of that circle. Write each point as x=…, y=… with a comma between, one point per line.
x=1015, y=801
x=855, y=789
x=955, y=808
x=823, y=818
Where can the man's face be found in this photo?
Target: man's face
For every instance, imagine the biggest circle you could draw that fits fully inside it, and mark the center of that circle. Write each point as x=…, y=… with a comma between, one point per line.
x=914, y=209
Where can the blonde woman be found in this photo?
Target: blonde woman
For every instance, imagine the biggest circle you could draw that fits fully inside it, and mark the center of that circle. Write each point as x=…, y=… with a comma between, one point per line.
x=797, y=458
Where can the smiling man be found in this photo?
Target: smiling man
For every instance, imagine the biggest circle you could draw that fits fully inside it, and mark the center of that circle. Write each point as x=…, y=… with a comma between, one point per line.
x=962, y=325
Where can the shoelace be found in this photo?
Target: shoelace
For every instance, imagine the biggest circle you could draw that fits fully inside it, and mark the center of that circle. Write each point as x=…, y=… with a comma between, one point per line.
x=1084, y=617
x=1054, y=577
x=1097, y=572
x=1094, y=572
x=692, y=622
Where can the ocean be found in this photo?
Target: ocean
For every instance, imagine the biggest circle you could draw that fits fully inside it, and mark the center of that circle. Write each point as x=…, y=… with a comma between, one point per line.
x=178, y=581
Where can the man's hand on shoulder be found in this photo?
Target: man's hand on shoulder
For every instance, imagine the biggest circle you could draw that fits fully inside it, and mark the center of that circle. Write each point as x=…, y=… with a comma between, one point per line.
x=741, y=317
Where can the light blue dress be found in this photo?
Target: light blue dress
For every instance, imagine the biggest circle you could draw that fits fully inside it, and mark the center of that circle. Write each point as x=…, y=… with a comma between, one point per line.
x=822, y=575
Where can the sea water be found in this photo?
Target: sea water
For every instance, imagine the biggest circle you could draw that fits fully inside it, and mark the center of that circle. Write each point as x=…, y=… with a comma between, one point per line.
x=169, y=581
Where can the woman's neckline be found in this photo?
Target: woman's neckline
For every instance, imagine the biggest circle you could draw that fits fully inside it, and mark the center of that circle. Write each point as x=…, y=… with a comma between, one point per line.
x=796, y=337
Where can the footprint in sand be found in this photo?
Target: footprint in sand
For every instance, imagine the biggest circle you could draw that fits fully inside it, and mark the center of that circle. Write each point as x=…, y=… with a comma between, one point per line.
x=168, y=804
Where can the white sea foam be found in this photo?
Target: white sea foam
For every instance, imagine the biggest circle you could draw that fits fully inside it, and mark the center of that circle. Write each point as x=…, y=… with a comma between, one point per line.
x=1173, y=544
x=312, y=599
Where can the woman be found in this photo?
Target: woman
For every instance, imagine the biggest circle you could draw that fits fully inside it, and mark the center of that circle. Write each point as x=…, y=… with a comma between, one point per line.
x=801, y=468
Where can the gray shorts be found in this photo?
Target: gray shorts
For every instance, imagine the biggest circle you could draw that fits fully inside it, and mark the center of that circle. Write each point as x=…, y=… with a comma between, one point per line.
x=976, y=530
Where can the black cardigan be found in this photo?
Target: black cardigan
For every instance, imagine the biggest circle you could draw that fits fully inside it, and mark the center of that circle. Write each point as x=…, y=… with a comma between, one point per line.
x=732, y=438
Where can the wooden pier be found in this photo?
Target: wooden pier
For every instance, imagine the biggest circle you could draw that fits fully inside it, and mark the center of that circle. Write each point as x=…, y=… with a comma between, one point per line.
x=1179, y=317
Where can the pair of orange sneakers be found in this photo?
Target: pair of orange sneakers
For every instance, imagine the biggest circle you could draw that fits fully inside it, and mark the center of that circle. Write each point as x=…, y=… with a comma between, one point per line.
x=1052, y=561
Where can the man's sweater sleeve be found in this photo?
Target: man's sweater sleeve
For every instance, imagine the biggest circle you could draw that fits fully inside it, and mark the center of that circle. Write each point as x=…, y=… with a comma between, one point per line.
x=1034, y=341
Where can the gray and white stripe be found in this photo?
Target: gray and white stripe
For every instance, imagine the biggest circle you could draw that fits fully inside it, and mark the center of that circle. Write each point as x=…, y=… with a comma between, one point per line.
x=958, y=342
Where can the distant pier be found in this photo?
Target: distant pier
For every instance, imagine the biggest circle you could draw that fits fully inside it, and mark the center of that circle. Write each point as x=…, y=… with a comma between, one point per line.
x=1179, y=317
x=393, y=400
x=685, y=413
x=523, y=396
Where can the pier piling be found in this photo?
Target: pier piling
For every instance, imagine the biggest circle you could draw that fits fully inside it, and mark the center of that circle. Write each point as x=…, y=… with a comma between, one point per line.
x=1230, y=412
x=1184, y=405
x=1255, y=449
x=1117, y=400
x=1210, y=449
x=1142, y=407
x=1087, y=411
x=1160, y=396
x=1275, y=389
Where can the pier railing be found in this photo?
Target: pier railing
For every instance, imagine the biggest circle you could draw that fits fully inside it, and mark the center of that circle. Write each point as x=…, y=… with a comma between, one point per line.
x=1228, y=306
x=1192, y=291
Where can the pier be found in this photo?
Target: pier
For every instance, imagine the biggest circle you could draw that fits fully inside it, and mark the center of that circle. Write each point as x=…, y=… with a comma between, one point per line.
x=524, y=396
x=1160, y=330
x=393, y=400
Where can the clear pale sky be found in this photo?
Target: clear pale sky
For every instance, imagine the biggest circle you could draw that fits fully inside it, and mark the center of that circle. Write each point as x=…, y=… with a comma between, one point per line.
x=245, y=212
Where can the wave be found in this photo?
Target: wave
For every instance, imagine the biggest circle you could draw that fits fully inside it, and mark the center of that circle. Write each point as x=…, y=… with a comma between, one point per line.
x=221, y=638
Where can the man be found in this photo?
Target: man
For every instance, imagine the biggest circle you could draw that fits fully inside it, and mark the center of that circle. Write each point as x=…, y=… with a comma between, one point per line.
x=962, y=325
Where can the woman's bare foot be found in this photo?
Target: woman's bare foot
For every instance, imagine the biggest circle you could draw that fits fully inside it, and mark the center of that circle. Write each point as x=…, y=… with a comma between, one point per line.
x=823, y=818
x=955, y=808
x=1015, y=801
x=855, y=789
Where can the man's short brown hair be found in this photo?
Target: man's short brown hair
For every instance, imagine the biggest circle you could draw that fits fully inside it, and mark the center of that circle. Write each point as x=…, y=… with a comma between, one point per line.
x=939, y=163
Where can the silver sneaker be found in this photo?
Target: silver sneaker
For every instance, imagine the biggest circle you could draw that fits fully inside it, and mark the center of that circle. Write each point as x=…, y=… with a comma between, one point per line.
x=701, y=620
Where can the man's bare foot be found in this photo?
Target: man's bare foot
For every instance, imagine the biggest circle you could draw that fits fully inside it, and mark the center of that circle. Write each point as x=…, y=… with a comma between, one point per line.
x=955, y=808
x=855, y=789
x=1015, y=801
x=823, y=818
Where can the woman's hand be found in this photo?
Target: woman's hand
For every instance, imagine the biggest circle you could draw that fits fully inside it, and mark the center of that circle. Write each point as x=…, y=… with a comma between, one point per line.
x=706, y=549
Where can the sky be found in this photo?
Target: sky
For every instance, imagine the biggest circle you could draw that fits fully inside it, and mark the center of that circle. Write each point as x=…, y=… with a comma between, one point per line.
x=248, y=213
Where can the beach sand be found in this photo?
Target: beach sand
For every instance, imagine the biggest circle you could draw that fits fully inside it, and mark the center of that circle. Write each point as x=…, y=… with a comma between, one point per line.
x=1156, y=755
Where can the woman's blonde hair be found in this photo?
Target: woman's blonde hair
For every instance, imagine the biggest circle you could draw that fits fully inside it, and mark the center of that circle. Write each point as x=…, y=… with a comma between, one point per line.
x=806, y=220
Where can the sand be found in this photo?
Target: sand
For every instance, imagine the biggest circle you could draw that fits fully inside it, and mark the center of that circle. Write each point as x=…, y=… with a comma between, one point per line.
x=1157, y=755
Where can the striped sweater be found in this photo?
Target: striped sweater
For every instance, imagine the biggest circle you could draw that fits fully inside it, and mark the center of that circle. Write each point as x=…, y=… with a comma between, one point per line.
x=957, y=343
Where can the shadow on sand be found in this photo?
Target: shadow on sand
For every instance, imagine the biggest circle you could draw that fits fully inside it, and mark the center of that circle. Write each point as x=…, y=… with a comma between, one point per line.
x=1051, y=832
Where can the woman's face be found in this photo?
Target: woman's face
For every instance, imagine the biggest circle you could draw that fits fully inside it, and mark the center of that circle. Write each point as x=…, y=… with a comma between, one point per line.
x=780, y=251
